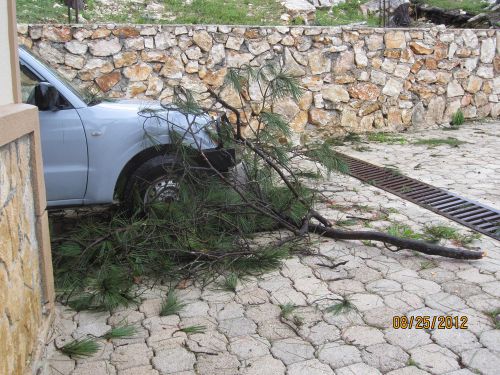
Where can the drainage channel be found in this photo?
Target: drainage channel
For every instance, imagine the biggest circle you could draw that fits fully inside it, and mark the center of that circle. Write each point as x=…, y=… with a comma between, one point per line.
x=474, y=215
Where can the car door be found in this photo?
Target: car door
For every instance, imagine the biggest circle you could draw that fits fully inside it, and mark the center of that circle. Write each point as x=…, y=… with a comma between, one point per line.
x=64, y=145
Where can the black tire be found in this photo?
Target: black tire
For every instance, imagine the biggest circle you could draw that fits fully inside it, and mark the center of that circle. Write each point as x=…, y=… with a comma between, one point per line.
x=146, y=176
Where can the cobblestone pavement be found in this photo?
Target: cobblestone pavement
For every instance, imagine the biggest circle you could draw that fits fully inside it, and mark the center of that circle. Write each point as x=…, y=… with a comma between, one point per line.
x=246, y=332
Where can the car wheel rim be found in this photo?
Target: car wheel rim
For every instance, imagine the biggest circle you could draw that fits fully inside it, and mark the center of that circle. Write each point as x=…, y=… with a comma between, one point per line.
x=162, y=190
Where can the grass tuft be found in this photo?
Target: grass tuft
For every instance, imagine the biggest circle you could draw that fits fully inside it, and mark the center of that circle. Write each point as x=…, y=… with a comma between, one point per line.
x=81, y=348
x=389, y=138
x=341, y=307
x=428, y=264
x=434, y=142
x=437, y=233
x=287, y=309
x=403, y=231
x=458, y=118
x=171, y=305
x=493, y=315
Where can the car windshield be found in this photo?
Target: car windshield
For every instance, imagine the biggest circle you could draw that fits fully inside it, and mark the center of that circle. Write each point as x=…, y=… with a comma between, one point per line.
x=84, y=94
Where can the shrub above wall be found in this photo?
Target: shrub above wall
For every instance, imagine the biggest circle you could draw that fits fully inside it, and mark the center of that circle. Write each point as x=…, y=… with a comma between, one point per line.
x=355, y=79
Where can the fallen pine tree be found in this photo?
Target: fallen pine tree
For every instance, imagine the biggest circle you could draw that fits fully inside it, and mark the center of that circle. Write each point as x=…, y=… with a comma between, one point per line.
x=212, y=223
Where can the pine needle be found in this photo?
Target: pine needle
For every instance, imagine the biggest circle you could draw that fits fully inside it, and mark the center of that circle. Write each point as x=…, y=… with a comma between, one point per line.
x=123, y=331
x=171, y=305
x=81, y=348
x=193, y=329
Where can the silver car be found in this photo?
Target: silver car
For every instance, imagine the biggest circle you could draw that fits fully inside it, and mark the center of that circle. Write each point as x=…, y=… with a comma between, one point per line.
x=91, y=148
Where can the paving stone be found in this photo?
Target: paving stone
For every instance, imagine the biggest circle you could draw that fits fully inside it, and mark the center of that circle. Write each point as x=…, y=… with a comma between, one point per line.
x=217, y=295
x=365, y=274
x=403, y=276
x=84, y=318
x=445, y=302
x=292, y=350
x=173, y=360
x=435, y=359
x=346, y=287
x=407, y=338
x=363, y=336
x=310, y=367
x=492, y=288
x=221, y=363
x=322, y=333
x=384, y=264
x=294, y=269
x=385, y=357
x=189, y=293
x=275, y=330
x=229, y=310
x=457, y=340
x=132, y=355
x=474, y=276
x=272, y=283
x=364, y=301
x=483, y=302
x=403, y=301
x=344, y=319
x=266, y=365
x=288, y=294
x=437, y=275
x=141, y=370
x=462, y=372
x=94, y=368
x=383, y=287
x=151, y=307
x=246, y=347
x=263, y=312
x=237, y=327
x=381, y=317
x=312, y=288
x=194, y=308
x=410, y=370
x=338, y=355
x=421, y=287
x=125, y=317
x=358, y=368
x=491, y=340
x=481, y=360
x=461, y=288
x=252, y=296
x=207, y=342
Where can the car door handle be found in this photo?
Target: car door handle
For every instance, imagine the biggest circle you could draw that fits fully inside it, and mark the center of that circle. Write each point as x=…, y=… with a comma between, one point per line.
x=96, y=133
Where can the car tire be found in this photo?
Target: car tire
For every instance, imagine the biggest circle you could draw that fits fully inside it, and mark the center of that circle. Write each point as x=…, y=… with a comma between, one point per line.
x=156, y=179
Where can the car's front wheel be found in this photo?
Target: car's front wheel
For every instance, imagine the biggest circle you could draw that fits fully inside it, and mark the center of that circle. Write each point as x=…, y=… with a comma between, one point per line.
x=157, y=180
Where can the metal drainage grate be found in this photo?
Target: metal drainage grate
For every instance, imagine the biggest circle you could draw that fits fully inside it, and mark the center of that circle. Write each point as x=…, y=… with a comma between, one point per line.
x=472, y=214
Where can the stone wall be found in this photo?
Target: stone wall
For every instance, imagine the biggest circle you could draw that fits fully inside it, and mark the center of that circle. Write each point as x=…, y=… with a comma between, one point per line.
x=20, y=281
x=356, y=79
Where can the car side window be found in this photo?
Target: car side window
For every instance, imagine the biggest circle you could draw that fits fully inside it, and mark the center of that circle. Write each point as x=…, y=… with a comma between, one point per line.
x=29, y=83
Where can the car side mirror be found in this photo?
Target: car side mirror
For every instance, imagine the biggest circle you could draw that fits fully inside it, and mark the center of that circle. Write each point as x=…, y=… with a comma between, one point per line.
x=46, y=97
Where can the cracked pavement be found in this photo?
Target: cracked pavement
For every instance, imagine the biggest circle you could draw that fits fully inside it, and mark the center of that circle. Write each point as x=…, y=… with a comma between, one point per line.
x=246, y=332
